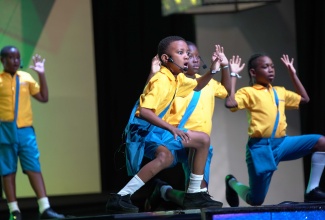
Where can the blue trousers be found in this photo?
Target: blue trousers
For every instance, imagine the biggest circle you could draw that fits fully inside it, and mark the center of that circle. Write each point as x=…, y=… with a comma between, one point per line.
x=284, y=149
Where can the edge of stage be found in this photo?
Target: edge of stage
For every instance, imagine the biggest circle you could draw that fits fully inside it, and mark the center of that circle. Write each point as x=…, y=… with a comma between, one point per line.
x=286, y=210
x=92, y=207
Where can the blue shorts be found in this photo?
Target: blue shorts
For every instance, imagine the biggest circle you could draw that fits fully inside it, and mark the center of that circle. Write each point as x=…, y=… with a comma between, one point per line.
x=161, y=137
x=143, y=139
x=27, y=152
x=284, y=149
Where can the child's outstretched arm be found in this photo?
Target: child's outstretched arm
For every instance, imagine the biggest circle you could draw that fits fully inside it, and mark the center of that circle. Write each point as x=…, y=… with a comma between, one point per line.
x=214, y=68
x=299, y=88
x=224, y=66
x=236, y=67
x=39, y=67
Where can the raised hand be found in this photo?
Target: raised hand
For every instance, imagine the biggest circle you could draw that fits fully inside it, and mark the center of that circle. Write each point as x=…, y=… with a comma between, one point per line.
x=299, y=88
x=155, y=64
x=216, y=61
x=221, y=54
x=235, y=64
x=217, y=58
x=38, y=64
x=288, y=63
x=155, y=67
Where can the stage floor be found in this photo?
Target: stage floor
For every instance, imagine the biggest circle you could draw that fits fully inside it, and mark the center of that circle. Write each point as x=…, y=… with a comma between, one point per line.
x=92, y=207
x=283, y=211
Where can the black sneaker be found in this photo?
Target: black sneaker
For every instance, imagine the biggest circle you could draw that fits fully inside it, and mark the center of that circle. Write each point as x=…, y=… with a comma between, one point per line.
x=199, y=200
x=120, y=204
x=316, y=195
x=153, y=201
x=231, y=195
x=51, y=214
x=15, y=215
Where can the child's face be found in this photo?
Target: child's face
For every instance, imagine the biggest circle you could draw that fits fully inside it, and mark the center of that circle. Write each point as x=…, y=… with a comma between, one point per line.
x=11, y=62
x=194, y=61
x=264, y=72
x=178, y=50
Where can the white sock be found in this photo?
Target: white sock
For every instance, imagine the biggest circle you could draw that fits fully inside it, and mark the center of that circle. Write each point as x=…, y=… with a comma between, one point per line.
x=133, y=185
x=13, y=206
x=195, y=183
x=205, y=189
x=43, y=204
x=163, y=191
x=316, y=171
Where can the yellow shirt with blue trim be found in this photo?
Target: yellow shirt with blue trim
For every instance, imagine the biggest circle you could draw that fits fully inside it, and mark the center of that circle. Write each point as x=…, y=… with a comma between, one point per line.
x=261, y=109
x=161, y=89
x=201, y=117
x=28, y=86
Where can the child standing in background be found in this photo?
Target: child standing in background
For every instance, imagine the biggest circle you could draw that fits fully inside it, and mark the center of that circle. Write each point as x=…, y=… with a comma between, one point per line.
x=16, y=88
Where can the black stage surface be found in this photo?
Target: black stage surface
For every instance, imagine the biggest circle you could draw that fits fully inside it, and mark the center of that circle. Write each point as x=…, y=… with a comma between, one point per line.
x=92, y=206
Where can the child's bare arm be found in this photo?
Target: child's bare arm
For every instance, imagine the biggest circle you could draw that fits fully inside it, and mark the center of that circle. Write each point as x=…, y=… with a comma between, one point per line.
x=236, y=67
x=299, y=88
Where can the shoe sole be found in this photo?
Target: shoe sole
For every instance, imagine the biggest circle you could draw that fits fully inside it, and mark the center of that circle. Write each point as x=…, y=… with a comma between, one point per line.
x=230, y=191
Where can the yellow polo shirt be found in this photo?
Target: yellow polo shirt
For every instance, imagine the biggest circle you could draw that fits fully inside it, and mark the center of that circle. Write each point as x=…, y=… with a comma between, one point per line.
x=161, y=89
x=28, y=87
x=261, y=109
x=201, y=117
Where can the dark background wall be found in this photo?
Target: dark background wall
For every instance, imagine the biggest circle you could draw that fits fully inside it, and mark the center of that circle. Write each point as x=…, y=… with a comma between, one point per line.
x=310, y=25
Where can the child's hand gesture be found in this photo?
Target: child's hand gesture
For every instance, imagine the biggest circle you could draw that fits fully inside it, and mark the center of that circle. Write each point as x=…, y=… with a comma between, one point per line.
x=216, y=62
x=221, y=54
x=155, y=64
x=289, y=64
x=155, y=67
x=217, y=58
x=38, y=64
x=235, y=64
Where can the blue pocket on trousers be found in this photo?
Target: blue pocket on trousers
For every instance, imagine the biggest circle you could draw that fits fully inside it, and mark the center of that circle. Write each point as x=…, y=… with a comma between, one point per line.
x=263, y=158
x=8, y=133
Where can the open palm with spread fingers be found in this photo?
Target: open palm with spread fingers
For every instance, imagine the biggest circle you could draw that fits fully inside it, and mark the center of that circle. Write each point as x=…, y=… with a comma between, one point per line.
x=38, y=64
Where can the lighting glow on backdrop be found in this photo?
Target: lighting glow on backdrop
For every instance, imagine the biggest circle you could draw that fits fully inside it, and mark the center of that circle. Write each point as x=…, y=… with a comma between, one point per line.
x=66, y=127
